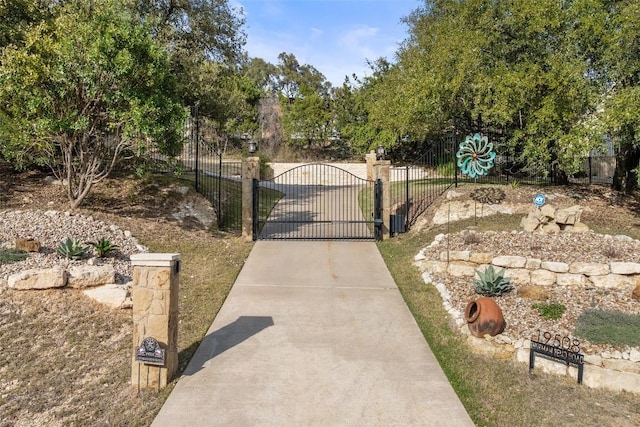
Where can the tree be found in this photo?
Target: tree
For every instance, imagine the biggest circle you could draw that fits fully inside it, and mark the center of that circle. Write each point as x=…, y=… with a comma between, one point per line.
x=620, y=111
x=84, y=88
x=518, y=69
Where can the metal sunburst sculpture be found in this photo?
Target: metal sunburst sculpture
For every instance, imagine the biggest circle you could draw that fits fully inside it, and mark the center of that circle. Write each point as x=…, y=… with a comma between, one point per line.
x=475, y=156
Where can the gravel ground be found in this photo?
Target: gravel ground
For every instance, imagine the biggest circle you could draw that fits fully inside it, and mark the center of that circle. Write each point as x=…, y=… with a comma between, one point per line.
x=52, y=227
x=522, y=320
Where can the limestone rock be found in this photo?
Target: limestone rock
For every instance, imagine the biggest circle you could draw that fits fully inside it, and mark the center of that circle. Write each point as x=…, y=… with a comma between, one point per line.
x=462, y=269
x=588, y=268
x=529, y=224
x=508, y=261
x=47, y=278
x=110, y=295
x=548, y=211
x=85, y=276
x=636, y=293
x=543, y=277
x=551, y=228
x=625, y=267
x=610, y=281
x=556, y=267
x=28, y=245
x=568, y=215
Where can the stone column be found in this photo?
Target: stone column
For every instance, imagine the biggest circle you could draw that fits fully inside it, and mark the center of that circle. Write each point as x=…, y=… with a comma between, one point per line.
x=250, y=171
x=383, y=173
x=155, y=315
x=371, y=160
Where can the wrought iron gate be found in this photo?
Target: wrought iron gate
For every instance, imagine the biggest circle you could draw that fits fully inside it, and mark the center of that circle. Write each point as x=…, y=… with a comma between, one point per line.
x=317, y=202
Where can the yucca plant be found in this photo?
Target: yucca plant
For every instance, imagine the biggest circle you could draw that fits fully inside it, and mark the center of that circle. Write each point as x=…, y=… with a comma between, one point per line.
x=72, y=249
x=103, y=247
x=491, y=283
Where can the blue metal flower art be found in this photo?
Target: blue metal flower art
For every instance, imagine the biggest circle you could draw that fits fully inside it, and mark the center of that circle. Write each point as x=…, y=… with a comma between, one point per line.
x=475, y=157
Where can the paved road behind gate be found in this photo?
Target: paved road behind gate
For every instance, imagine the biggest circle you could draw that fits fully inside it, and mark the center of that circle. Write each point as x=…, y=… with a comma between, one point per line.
x=313, y=334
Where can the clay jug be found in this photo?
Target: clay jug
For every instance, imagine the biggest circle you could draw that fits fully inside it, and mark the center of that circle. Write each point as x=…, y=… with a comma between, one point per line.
x=483, y=317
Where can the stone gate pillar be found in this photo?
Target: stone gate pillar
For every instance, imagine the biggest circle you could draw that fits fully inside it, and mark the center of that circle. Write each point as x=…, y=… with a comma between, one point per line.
x=383, y=173
x=155, y=318
x=250, y=171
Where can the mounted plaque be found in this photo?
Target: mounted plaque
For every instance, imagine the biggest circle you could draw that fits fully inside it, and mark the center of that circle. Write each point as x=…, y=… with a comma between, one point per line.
x=150, y=352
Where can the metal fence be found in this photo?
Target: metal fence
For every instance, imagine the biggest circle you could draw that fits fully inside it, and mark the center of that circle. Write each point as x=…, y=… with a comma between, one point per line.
x=202, y=160
x=416, y=181
x=415, y=184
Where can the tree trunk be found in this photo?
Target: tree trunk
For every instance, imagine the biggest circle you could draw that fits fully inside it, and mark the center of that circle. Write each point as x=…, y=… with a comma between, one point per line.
x=625, y=178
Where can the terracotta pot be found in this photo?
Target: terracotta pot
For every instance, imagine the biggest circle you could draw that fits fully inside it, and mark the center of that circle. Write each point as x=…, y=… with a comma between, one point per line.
x=483, y=317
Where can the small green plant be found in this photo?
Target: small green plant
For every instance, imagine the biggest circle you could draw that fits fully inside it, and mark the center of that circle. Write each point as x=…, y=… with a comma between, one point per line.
x=104, y=247
x=10, y=255
x=72, y=249
x=609, y=327
x=550, y=311
x=490, y=283
x=514, y=184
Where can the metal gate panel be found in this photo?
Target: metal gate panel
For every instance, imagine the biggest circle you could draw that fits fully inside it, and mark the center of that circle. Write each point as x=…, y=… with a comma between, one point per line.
x=316, y=202
x=415, y=186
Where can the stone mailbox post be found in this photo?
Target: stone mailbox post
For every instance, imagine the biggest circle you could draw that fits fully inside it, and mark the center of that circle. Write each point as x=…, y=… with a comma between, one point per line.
x=155, y=319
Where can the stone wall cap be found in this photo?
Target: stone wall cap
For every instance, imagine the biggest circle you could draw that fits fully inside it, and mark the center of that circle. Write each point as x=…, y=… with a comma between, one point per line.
x=154, y=259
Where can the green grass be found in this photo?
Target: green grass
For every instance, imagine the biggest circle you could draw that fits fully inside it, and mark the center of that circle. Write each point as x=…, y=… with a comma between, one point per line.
x=609, y=327
x=494, y=392
x=550, y=311
x=12, y=255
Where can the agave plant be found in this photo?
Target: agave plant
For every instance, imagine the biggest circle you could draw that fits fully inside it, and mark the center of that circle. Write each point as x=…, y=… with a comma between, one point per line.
x=103, y=247
x=72, y=249
x=492, y=283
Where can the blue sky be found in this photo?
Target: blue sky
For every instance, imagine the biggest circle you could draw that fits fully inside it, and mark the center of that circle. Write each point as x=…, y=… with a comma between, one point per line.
x=335, y=36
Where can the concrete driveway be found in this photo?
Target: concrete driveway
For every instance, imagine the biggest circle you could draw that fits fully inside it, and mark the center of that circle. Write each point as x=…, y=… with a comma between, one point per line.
x=313, y=334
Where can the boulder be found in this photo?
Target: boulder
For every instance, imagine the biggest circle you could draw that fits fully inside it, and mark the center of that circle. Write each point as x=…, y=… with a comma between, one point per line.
x=111, y=295
x=28, y=245
x=45, y=278
x=85, y=276
x=568, y=216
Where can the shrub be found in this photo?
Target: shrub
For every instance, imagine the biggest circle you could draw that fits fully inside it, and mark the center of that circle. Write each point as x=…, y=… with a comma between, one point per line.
x=609, y=327
x=104, y=247
x=550, y=311
x=12, y=255
x=490, y=283
x=72, y=249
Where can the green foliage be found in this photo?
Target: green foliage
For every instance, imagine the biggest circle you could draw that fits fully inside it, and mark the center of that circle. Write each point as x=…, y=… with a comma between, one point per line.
x=87, y=85
x=551, y=81
x=446, y=169
x=491, y=283
x=72, y=249
x=12, y=255
x=550, y=311
x=104, y=247
x=609, y=327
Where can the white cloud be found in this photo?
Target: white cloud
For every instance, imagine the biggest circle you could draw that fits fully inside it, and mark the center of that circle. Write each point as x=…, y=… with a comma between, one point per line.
x=359, y=41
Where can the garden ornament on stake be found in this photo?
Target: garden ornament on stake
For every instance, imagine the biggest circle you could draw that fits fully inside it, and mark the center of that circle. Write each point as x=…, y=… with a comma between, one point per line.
x=475, y=157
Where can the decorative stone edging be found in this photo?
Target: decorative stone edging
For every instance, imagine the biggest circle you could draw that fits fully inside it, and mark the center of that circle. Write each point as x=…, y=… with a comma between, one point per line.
x=618, y=371
x=527, y=271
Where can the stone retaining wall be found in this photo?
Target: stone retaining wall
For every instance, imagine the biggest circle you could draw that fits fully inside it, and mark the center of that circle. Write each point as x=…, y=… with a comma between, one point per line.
x=619, y=371
x=528, y=271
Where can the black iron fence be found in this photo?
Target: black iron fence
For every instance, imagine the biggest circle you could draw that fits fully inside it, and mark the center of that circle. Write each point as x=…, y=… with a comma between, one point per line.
x=416, y=181
x=203, y=161
x=416, y=184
